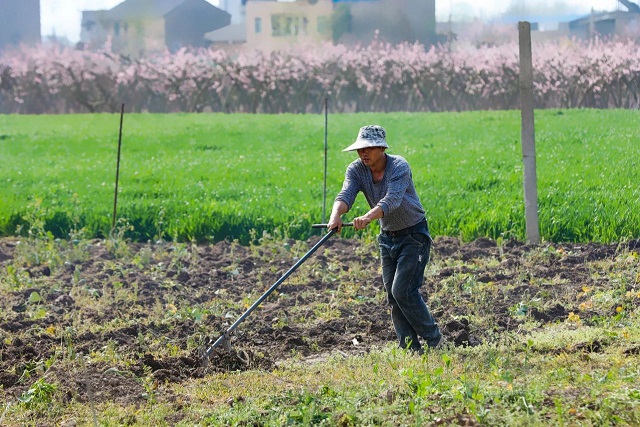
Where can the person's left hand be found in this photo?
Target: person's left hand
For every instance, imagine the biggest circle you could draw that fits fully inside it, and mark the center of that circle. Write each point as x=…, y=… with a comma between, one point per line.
x=361, y=222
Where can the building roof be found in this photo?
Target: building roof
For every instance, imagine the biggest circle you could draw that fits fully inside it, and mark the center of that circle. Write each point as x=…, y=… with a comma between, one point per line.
x=600, y=16
x=143, y=8
x=540, y=19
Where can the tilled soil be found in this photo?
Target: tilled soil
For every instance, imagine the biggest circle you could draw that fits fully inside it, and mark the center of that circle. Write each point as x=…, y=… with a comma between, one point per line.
x=145, y=316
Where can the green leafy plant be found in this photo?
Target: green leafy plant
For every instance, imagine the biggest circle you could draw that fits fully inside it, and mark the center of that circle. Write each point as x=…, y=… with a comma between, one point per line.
x=35, y=305
x=40, y=394
x=117, y=242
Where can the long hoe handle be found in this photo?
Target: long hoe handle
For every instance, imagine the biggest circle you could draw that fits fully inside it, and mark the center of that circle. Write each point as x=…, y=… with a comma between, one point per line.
x=346, y=224
x=224, y=339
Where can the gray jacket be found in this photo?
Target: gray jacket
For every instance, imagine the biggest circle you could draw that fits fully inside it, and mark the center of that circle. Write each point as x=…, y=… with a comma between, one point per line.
x=395, y=194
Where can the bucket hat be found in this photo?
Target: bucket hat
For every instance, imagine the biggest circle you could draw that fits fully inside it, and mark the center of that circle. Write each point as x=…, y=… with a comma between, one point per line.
x=369, y=136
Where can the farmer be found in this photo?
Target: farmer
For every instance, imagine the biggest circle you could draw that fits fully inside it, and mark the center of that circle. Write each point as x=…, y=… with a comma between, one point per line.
x=405, y=242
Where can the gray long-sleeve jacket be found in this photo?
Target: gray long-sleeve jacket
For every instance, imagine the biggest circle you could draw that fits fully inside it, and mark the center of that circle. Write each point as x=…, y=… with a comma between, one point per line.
x=395, y=194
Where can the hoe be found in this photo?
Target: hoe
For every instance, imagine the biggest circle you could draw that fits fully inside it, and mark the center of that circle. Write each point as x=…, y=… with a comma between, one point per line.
x=225, y=339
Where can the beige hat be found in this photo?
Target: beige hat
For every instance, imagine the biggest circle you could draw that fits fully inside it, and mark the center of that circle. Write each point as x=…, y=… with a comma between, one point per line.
x=369, y=136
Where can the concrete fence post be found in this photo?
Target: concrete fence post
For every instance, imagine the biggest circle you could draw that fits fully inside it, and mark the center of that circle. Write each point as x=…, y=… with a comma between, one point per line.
x=527, y=134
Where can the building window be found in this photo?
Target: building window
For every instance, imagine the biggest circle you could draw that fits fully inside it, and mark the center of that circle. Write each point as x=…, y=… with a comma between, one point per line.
x=258, y=25
x=324, y=25
x=116, y=28
x=283, y=25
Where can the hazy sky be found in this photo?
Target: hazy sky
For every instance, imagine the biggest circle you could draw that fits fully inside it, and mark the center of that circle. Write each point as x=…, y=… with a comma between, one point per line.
x=62, y=17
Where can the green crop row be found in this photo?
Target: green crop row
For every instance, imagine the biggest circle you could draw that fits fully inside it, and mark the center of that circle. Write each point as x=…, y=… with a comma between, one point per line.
x=208, y=177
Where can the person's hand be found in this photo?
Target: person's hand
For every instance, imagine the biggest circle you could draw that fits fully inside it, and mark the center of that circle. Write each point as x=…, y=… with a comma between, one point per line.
x=361, y=222
x=335, y=222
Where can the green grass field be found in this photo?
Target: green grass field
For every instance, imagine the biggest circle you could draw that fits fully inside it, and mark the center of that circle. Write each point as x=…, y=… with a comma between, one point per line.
x=213, y=176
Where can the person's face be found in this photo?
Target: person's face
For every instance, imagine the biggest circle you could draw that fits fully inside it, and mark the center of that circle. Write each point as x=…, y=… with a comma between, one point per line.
x=371, y=155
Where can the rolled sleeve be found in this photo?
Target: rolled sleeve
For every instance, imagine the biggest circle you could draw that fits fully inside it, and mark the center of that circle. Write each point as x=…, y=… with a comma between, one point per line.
x=384, y=207
x=350, y=187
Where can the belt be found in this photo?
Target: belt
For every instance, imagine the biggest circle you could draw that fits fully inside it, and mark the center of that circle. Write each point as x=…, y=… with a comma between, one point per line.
x=403, y=232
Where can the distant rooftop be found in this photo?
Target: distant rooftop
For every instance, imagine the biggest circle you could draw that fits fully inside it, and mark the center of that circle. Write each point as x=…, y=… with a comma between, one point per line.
x=143, y=8
x=541, y=19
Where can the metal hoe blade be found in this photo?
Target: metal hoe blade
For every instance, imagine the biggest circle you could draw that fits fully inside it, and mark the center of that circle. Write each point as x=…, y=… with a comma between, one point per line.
x=225, y=340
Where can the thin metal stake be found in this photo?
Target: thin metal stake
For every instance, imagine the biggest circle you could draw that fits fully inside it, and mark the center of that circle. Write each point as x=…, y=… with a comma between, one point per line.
x=115, y=196
x=324, y=192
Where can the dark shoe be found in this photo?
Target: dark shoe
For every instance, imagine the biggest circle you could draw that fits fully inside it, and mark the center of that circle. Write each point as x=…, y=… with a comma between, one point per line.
x=413, y=350
x=442, y=343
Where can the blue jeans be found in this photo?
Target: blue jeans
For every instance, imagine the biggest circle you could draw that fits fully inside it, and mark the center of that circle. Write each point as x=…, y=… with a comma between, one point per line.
x=404, y=259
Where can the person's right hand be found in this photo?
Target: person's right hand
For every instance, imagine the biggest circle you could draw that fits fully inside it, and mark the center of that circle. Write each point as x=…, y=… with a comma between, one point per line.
x=335, y=222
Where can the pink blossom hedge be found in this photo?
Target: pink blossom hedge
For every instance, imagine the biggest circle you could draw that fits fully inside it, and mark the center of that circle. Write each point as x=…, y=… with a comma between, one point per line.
x=379, y=77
